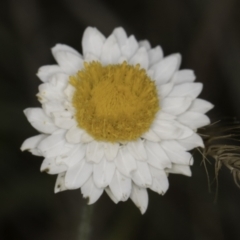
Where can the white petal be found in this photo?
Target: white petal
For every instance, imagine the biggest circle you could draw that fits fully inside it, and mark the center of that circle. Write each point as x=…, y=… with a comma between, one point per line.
x=175, y=105
x=120, y=35
x=35, y=152
x=74, y=134
x=111, y=150
x=91, y=191
x=155, y=55
x=183, y=76
x=40, y=120
x=130, y=47
x=140, y=197
x=50, y=90
x=103, y=173
x=170, y=129
x=63, y=122
x=177, y=153
x=151, y=136
x=32, y=142
x=191, y=90
x=55, y=145
x=164, y=116
x=165, y=69
x=49, y=166
x=59, y=80
x=110, y=194
x=52, y=106
x=142, y=176
x=201, y=106
x=125, y=162
x=92, y=41
x=110, y=51
x=160, y=182
x=64, y=119
x=69, y=62
x=53, y=89
x=46, y=72
x=60, y=185
x=156, y=156
x=137, y=149
x=120, y=186
x=145, y=43
x=89, y=57
x=78, y=174
x=140, y=57
x=72, y=157
x=86, y=138
x=191, y=142
x=122, y=59
x=164, y=90
x=69, y=91
x=65, y=48
x=193, y=120
x=150, y=73
x=69, y=107
x=95, y=151
x=180, y=169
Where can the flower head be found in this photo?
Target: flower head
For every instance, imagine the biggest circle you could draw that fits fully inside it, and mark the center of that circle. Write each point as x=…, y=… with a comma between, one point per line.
x=118, y=118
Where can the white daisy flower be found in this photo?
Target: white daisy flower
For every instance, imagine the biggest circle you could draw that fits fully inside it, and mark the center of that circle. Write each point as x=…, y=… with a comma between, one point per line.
x=118, y=118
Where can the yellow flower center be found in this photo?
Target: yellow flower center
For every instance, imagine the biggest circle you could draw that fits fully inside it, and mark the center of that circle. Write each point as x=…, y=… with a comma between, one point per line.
x=115, y=102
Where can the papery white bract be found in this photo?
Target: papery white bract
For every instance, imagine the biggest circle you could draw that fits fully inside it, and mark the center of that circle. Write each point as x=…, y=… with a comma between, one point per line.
x=121, y=168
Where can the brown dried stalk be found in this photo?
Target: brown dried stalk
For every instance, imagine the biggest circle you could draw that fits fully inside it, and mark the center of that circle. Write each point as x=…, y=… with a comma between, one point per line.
x=222, y=144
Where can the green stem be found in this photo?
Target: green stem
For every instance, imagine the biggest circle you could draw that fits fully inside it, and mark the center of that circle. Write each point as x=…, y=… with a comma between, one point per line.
x=85, y=222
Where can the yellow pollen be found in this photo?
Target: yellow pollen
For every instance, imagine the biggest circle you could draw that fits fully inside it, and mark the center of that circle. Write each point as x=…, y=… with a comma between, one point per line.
x=115, y=102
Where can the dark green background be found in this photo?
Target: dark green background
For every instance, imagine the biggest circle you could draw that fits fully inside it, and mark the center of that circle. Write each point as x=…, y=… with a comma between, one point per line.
x=205, y=32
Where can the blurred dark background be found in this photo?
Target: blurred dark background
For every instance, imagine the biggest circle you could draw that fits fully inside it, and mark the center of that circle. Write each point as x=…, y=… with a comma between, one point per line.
x=206, y=33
